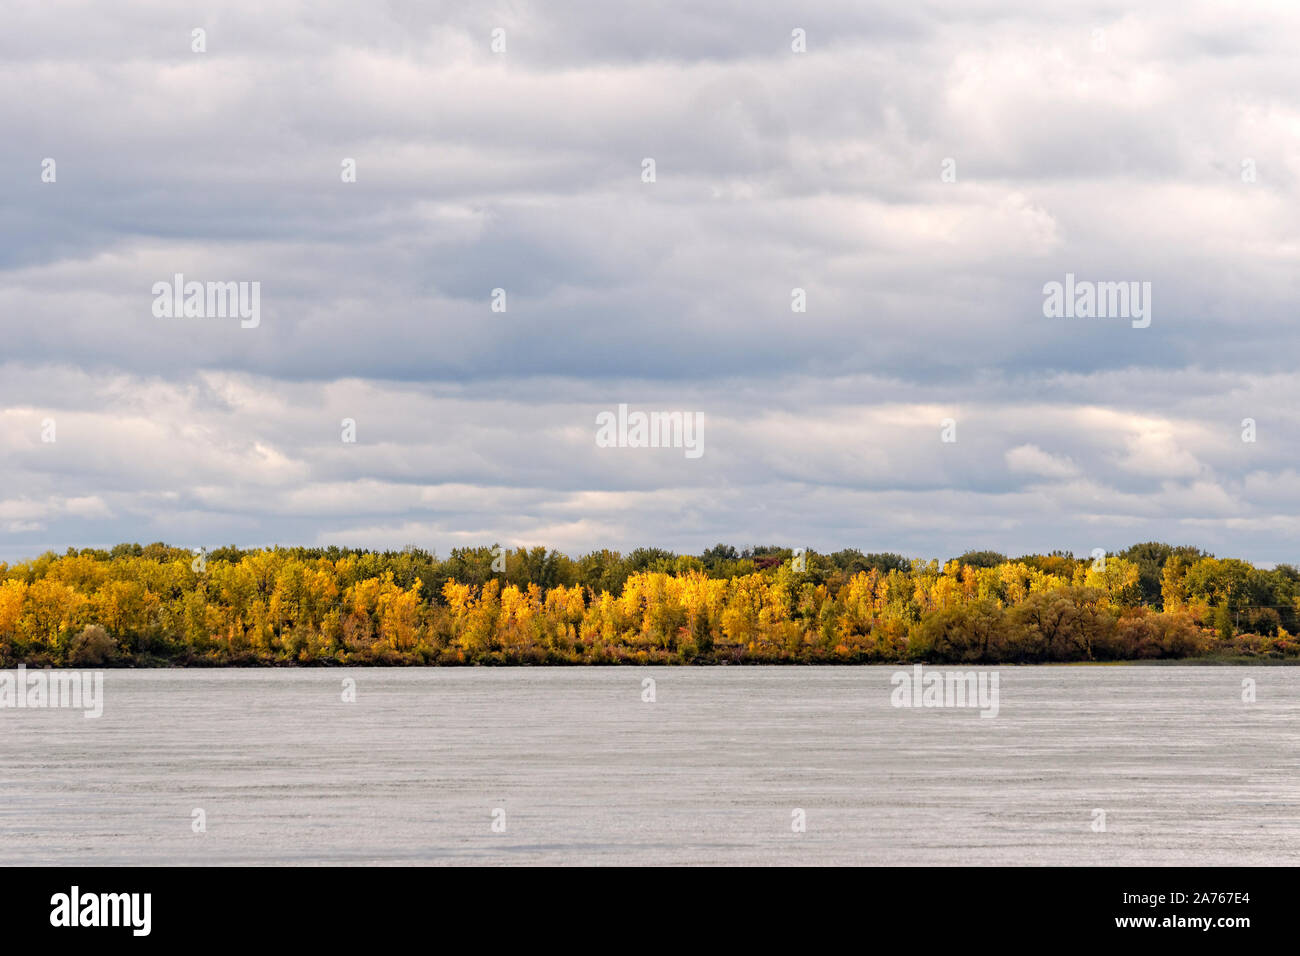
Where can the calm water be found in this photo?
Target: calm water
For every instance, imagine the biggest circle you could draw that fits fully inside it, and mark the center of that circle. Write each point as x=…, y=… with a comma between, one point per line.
x=586, y=772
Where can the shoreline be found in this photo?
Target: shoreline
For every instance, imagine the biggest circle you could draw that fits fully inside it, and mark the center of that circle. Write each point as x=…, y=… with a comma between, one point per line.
x=1209, y=661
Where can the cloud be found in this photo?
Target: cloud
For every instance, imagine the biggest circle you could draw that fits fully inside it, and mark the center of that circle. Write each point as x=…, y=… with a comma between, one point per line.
x=1034, y=461
x=1107, y=143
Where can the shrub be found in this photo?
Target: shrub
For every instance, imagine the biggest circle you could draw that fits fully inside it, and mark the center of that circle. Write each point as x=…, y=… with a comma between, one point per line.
x=92, y=647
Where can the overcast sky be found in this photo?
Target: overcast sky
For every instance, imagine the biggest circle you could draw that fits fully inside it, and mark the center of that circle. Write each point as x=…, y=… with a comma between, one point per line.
x=1113, y=143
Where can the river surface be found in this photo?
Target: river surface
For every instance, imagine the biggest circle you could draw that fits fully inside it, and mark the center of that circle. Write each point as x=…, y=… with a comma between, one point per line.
x=575, y=766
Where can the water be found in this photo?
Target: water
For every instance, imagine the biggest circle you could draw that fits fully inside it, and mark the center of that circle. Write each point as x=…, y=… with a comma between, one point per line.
x=711, y=772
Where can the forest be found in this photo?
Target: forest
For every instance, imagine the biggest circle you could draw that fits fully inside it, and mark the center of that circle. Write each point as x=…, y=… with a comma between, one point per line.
x=156, y=605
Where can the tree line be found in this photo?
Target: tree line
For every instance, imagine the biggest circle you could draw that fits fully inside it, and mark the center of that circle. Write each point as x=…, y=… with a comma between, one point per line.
x=157, y=605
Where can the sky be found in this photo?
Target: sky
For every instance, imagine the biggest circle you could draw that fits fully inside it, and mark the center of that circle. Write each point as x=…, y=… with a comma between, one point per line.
x=919, y=171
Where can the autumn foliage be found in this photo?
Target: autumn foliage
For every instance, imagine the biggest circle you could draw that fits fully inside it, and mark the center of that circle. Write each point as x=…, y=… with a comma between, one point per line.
x=157, y=605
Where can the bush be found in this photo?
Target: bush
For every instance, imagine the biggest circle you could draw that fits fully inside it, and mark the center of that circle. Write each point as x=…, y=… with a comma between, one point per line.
x=92, y=647
x=1063, y=625
x=972, y=632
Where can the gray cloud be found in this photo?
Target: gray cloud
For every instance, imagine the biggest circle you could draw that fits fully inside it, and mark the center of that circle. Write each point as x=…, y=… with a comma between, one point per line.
x=1115, y=155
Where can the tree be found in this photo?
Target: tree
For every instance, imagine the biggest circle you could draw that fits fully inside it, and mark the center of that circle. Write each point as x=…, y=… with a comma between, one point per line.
x=1062, y=625
x=982, y=559
x=1223, y=622
x=1150, y=558
x=972, y=632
